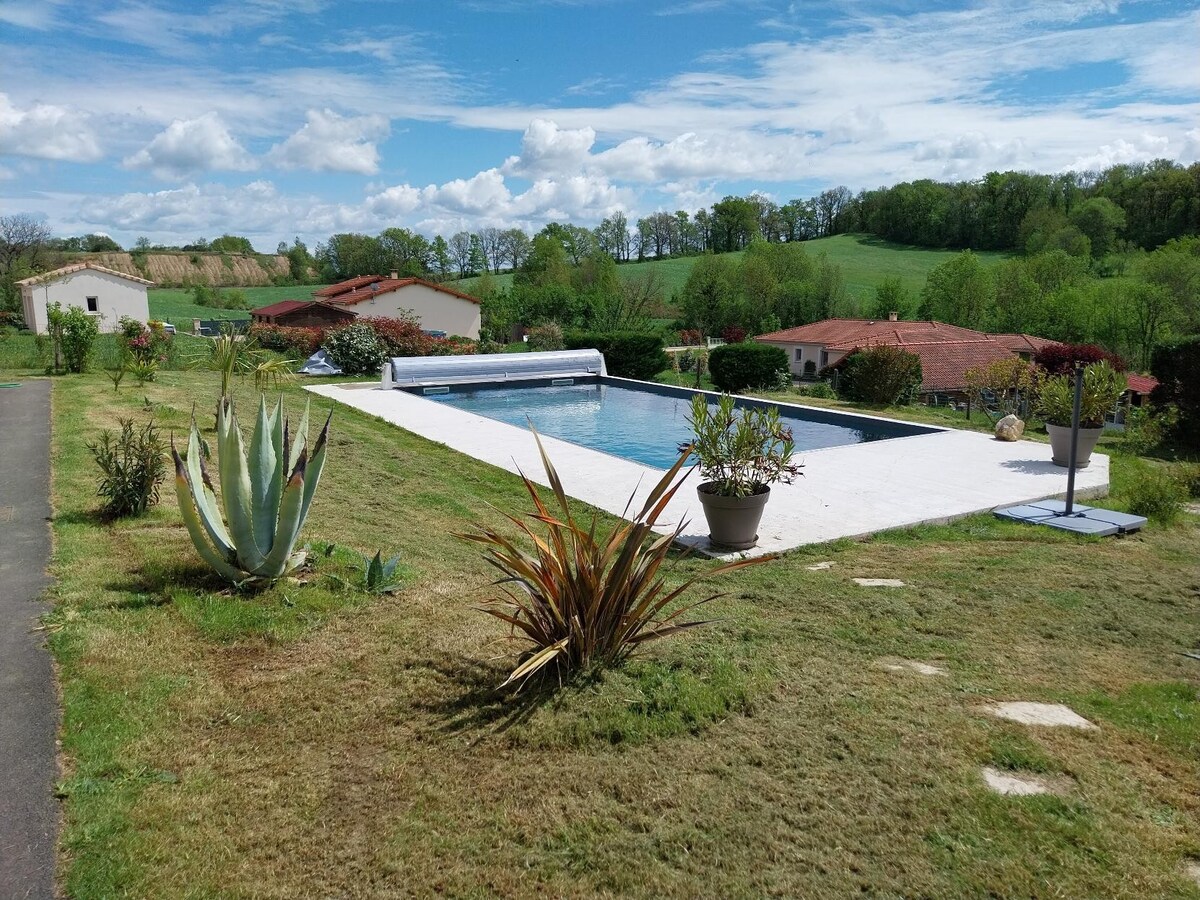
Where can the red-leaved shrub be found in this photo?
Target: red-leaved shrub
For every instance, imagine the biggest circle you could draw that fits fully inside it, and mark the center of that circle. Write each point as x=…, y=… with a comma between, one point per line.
x=298, y=342
x=1060, y=359
x=733, y=334
x=400, y=337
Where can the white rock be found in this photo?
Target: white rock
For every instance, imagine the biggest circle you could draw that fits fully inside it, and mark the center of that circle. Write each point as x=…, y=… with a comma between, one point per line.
x=879, y=582
x=1010, y=428
x=820, y=567
x=1013, y=785
x=1048, y=714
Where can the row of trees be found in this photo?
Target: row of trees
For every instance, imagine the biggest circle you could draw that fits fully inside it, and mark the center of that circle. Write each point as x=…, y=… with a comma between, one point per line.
x=1058, y=296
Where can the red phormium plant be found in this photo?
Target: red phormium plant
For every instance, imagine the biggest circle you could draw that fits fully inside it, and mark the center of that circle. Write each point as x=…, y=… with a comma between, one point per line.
x=579, y=598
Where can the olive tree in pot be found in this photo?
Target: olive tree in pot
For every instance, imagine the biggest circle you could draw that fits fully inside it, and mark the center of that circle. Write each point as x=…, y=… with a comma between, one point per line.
x=741, y=452
x=1102, y=388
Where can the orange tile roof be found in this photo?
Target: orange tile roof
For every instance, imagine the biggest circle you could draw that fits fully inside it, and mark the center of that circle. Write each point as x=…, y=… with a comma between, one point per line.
x=1141, y=384
x=287, y=306
x=1022, y=343
x=364, y=287
x=944, y=365
x=836, y=334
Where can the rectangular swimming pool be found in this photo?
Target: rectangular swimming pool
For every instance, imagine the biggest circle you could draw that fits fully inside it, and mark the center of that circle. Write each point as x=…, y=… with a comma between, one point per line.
x=645, y=423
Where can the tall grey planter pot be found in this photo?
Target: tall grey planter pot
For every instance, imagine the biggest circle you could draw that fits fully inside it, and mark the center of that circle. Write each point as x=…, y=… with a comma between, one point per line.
x=1060, y=445
x=732, y=521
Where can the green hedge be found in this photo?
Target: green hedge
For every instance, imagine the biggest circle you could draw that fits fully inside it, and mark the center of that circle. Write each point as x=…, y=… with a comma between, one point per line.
x=1176, y=365
x=882, y=376
x=735, y=367
x=627, y=354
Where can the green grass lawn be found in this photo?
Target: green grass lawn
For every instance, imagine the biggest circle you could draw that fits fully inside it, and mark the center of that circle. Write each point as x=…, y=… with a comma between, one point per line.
x=175, y=305
x=311, y=740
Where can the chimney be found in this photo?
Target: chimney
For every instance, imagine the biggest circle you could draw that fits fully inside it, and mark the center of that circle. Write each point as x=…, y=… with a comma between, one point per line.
x=893, y=316
x=395, y=276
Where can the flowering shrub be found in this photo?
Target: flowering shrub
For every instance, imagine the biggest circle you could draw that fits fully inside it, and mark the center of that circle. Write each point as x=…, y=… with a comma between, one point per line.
x=142, y=344
x=356, y=348
x=298, y=342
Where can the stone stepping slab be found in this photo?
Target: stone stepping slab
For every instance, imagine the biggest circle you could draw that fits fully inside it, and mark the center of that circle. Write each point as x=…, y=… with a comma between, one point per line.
x=1014, y=784
x=879, y=582
x=820, y=567
x=911, y=665
x=1044, y=714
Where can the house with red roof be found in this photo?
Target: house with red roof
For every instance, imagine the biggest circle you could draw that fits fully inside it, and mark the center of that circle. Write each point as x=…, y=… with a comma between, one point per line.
x=439, y=309
x=947, y=352
x=303, y=314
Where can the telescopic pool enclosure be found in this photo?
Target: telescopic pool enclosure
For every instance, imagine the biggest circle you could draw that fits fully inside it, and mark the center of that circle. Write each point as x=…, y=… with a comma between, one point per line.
x=434, y=371
x=848, y=491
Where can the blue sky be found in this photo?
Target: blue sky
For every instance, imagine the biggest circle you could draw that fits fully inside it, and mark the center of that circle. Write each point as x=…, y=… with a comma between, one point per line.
x=276, y=118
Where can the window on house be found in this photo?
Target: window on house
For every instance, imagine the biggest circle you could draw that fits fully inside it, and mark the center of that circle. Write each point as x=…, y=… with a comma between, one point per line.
x=93, y=305
x=799, y=355
x=824, y=358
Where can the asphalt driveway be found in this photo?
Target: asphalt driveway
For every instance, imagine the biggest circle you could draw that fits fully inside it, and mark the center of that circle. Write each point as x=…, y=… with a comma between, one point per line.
x=28, y=703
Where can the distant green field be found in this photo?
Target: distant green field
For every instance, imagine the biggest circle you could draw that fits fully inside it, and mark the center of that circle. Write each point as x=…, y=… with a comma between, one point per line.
x=865, y=260
x=175, y=305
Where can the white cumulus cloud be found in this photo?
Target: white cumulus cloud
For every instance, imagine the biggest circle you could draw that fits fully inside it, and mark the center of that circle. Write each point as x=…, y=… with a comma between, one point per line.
x=46, y=131
x=547, y=149
x=187, y=146
x=328, y=142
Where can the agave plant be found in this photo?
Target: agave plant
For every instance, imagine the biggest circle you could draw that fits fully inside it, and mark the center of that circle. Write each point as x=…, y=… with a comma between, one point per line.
x=379, y=575
x=580, y=599
x=264, y=506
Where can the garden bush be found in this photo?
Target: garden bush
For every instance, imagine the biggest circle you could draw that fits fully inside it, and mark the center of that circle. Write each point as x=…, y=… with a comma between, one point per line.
x=546, y=337
x=356, y=348
x=735, y=367
x=300, y=343
x=132, y=466
x=453, y=345
x=819, y=390
x=881, y=376
x=1156, y=495
x=627, y=354
x=73, y=334
x=1060, y=359
x=399, y=336
x=1177, y=368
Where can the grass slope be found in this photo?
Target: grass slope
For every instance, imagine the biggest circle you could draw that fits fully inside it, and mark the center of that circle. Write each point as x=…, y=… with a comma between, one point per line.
x=865, y=261
x=314, y=741
x=175, y=304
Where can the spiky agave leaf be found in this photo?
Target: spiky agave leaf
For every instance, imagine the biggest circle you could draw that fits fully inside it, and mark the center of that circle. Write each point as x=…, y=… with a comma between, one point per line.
x=184, y=493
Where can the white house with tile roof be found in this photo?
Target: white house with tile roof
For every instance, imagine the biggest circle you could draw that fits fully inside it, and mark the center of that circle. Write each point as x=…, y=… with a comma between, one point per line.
x=104, y=293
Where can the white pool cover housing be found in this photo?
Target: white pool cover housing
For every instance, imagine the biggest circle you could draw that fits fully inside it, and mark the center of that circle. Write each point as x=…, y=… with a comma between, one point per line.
x=414, y=371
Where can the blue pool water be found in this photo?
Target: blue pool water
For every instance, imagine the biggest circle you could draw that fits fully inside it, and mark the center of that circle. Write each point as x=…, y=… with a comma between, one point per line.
x=644, y=425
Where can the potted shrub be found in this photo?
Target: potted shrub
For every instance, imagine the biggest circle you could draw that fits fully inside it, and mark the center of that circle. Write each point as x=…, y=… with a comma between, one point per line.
x=1102, y=388
x=740, y=453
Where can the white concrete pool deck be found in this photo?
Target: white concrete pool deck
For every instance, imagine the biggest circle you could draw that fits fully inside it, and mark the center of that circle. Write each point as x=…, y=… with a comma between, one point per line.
x=848, y=491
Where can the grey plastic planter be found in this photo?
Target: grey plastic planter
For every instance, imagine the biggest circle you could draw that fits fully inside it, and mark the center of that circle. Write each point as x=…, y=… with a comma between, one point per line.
x=1060, y=445
x=732, y=521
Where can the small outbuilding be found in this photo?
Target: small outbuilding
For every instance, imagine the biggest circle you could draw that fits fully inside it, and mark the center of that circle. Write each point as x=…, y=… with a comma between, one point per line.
x=104, y=293
x=303, y=314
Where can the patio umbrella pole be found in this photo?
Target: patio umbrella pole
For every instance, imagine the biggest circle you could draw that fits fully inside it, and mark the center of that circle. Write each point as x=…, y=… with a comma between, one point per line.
x=1070, y=510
